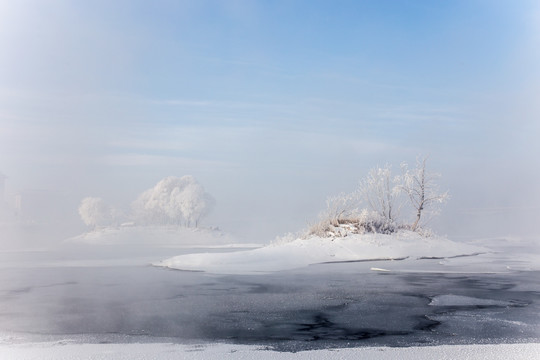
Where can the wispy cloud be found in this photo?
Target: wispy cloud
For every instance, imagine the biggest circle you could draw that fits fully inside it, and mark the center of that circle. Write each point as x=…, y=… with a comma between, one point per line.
x=421, y=112
x=212, y=103
x=136, y=160
x=179, y=102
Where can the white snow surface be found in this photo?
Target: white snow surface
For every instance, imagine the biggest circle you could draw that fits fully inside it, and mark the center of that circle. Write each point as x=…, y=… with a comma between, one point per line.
x=160, y=351
x=458, y=300
x=170, y=236
x=303, y=252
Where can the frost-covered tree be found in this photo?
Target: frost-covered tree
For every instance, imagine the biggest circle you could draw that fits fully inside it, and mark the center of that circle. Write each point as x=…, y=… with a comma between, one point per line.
x=422, y=190
x=95, y=212
x=376, y=205
x=158, y=205
x=195, y=203
x=173, y=201
x=381, y=192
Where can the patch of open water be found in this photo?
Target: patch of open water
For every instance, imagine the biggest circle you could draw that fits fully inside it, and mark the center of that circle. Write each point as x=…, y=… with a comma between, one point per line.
x=325, y=305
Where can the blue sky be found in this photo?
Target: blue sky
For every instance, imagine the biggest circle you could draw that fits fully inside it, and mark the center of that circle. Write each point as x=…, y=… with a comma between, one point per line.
x=272, y=105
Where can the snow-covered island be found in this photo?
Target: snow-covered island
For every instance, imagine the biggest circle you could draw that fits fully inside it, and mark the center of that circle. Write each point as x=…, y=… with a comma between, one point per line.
x=168, y=214
x=158, y=236
x=346, y=233
x=382, y=220
x=402, y=245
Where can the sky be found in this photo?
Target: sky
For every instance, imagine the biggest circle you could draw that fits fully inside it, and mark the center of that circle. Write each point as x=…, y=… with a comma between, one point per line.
x=274, y=105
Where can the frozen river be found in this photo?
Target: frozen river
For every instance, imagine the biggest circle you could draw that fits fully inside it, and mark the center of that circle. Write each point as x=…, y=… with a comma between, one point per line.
x=95, y=295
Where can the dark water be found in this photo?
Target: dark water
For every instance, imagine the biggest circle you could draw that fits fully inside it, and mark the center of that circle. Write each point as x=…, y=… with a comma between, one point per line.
x=96, y=296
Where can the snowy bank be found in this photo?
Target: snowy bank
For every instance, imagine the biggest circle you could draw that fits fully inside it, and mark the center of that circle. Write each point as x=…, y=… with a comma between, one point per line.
x=63, y=350
x=171, y=236
x=404, y=245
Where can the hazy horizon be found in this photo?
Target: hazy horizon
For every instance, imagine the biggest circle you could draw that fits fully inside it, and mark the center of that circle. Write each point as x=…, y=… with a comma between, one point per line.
x=273, y=106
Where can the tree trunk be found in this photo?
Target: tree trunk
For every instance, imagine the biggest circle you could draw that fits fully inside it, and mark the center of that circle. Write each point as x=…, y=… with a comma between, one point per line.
x=415, y=225
x=418, y=215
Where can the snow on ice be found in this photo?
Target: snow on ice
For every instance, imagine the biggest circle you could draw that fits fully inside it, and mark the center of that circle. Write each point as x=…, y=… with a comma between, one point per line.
x=65, y=351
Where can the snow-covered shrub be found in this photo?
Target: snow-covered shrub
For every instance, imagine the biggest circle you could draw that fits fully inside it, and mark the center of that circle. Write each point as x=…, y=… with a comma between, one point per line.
x=339, y=209
x=342, y=206
x=321, y=228
x=423, y=231
x=364, y=222
x=373, y=222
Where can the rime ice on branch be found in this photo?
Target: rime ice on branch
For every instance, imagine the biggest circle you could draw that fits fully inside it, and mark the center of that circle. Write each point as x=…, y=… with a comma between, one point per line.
x=422, y=190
